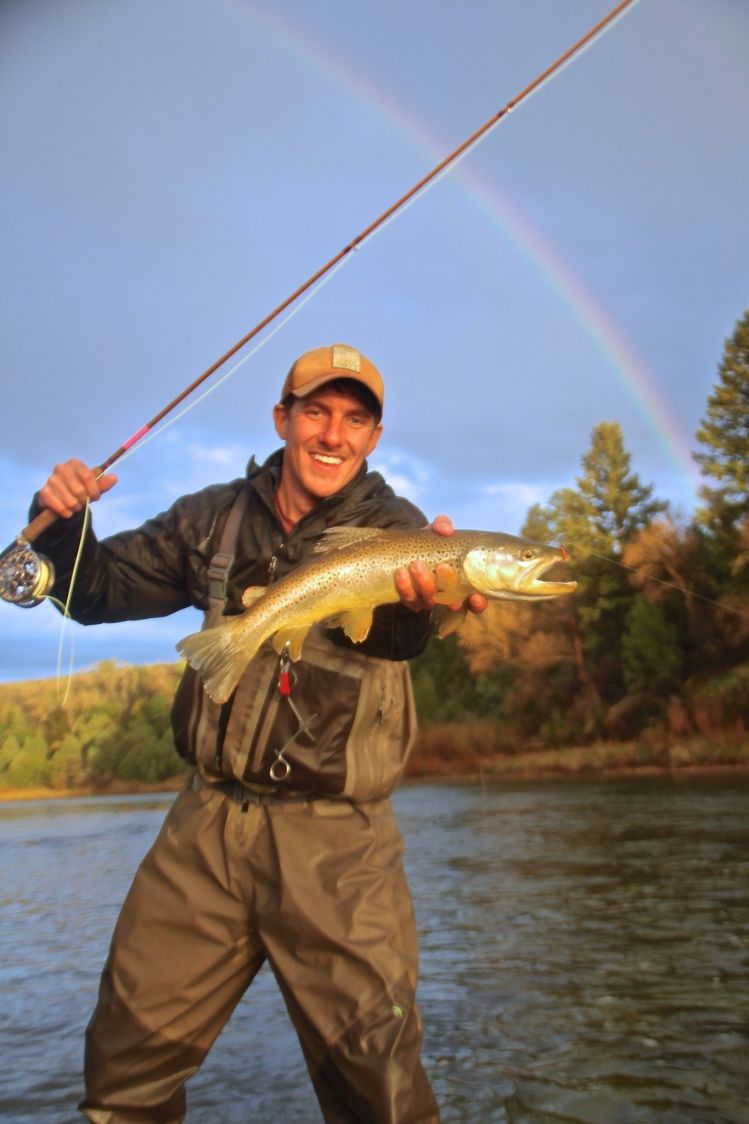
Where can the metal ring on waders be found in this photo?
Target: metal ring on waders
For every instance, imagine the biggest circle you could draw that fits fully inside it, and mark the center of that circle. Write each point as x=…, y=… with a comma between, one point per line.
x=281, y=763
x=280, y=768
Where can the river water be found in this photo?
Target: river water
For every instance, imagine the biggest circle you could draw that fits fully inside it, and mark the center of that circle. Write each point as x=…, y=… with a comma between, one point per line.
x=585, y=955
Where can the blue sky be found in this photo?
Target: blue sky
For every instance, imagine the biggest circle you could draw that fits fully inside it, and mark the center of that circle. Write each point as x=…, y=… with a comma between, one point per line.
x=172, y=169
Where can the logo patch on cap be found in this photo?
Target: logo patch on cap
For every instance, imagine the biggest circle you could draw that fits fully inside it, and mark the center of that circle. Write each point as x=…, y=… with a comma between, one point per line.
x=346, y=358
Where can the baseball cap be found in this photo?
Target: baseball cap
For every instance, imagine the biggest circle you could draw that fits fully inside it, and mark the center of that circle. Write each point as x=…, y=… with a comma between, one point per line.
x=339, y=361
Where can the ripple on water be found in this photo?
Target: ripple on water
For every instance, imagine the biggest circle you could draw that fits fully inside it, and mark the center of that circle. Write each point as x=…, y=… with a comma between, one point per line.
x=584, y=957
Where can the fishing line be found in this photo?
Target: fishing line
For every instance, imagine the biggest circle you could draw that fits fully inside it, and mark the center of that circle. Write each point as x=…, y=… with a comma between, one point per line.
x=151, y=434
x=46, y=517
x=669, y=584
x=66, y=617
x=293, y=303
x=232, y=370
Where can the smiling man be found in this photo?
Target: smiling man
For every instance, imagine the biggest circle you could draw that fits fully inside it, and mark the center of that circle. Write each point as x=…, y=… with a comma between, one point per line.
x=329, y=425
x=301, y=865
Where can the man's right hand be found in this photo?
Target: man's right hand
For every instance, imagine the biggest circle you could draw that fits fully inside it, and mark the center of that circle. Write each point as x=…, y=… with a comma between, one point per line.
x=70, y=485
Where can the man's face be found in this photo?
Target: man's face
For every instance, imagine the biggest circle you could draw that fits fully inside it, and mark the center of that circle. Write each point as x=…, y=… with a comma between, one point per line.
x=327, y=435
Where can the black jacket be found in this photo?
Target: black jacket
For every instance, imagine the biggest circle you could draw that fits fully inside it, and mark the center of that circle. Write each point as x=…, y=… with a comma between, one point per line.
x=161, y=567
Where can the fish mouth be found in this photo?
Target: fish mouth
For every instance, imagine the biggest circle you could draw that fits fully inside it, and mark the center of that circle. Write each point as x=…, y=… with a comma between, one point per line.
x=516, y=569
x=539, y=585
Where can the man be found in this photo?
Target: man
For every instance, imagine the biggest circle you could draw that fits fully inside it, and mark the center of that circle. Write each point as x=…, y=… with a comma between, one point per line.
x=284, y=847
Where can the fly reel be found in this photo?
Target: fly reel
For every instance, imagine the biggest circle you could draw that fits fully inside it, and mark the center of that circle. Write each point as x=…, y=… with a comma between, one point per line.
x=25, y=576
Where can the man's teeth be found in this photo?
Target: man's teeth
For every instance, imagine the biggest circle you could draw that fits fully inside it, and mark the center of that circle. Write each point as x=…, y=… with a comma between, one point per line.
x=327, y=460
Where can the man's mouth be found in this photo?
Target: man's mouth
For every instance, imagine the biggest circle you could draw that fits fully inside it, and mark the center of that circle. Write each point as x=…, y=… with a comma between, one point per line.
x=325, y=458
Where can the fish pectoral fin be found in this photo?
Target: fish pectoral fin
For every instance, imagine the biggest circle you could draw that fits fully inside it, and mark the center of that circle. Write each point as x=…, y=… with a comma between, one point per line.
x=451, y=594
x=252, y=593
x=452, y=621
x=335, y=538
x=356, y=623
x=292, y=639
x=446, y=578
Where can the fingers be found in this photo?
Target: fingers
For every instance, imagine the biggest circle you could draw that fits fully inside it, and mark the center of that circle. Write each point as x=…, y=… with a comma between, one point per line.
x=70, y=485
x=478, y=603
x=443, y=525
x=420, y=589
x=416, y=586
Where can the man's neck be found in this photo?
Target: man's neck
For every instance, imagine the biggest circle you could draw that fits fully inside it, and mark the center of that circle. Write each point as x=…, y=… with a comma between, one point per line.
x=291, y=507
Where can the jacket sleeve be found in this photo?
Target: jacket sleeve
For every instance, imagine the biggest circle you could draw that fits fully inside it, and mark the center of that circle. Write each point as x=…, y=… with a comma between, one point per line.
x=129, y=576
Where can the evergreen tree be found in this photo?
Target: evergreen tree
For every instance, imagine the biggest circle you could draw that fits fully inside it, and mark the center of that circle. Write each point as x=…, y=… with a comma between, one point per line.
x=608, y=507
x=724, y=435
x=595, y=521
x=651, y=654
x=617, y=502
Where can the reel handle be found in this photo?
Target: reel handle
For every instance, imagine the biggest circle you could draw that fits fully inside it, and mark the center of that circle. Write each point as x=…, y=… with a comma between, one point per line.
x=39, y=523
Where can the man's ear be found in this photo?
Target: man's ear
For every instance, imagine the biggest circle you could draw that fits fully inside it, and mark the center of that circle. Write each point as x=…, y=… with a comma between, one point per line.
x=376, y=435
x=281, y=420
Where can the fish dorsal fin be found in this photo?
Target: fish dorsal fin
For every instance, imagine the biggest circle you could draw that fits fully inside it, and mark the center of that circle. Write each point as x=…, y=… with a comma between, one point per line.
x=335, y=538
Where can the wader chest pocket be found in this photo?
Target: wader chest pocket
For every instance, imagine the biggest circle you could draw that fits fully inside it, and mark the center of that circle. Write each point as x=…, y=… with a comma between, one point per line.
x=301, y=740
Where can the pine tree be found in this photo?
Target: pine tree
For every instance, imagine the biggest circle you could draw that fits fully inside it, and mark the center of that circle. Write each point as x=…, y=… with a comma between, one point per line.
x=651, y=654
x=724, y=435
x=608, y=507
x=595, y=521
x=617, y=502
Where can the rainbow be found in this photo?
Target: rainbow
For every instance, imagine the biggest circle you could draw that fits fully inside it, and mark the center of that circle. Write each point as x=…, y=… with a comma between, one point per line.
x=637, y=380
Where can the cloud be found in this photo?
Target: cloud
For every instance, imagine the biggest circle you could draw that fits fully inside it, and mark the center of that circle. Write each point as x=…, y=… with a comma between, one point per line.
x=408, y=475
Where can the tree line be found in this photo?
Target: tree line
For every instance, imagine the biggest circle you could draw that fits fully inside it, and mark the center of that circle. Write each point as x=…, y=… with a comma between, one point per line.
x=653, y=645
x=113, y=728
x=655, y=641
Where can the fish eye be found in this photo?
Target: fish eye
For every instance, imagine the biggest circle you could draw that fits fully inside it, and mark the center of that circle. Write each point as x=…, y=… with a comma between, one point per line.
x=528, y=554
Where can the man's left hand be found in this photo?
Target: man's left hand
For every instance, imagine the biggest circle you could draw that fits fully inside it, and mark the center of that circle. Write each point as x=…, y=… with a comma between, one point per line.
x=417, y=585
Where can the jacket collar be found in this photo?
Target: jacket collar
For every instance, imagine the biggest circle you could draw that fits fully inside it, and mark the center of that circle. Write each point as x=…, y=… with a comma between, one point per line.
x=265, y=478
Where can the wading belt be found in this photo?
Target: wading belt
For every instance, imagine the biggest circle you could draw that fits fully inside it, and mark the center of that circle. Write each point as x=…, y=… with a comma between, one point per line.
x=246, y=796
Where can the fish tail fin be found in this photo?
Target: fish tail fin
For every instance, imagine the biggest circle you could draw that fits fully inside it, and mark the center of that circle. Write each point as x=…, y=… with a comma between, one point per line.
x=220, y=654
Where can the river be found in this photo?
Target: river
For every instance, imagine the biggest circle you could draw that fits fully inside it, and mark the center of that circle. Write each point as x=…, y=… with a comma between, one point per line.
x=585, y=955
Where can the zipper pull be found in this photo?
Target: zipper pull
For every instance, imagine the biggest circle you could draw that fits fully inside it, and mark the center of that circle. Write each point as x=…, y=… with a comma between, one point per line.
x=284, y=675
x=272, y=568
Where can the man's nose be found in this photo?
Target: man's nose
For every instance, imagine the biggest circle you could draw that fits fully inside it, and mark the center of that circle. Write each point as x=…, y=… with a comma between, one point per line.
x=331, y=434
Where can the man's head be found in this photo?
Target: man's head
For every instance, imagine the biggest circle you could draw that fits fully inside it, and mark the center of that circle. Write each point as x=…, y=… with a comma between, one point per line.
x=329, y=418
x=339, y=361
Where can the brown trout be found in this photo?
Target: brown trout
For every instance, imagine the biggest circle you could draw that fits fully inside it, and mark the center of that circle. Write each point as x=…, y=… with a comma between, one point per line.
x=352, y=574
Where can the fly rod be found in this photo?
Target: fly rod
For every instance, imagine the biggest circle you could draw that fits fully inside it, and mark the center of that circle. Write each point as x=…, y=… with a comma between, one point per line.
x=25, y=576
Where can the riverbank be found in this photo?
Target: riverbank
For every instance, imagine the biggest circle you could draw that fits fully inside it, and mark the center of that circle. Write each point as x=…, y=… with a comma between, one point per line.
x=438, y=761
x=474, y=753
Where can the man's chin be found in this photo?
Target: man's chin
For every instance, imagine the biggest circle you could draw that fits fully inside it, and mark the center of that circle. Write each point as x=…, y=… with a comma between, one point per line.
x=327, y=479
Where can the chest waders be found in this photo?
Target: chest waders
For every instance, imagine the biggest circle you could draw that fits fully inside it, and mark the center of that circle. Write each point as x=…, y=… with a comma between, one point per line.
x=284, y=850
x=337, y=723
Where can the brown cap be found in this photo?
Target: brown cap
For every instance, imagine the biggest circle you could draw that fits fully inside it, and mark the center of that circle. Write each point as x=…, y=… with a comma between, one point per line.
x=339, y=361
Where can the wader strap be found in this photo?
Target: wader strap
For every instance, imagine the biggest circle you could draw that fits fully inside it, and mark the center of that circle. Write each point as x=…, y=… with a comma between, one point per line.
x=223, y=560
